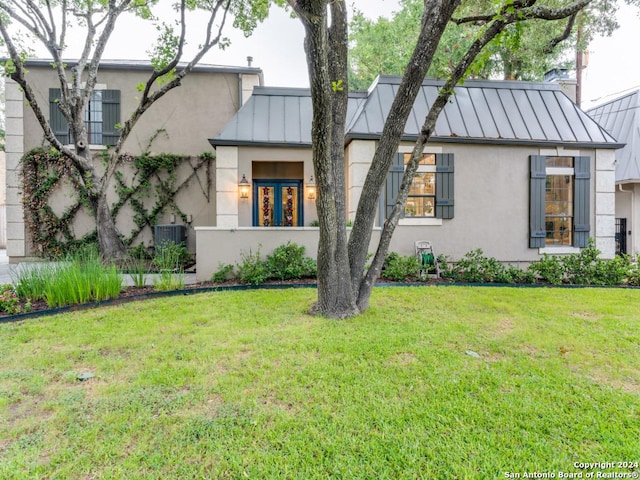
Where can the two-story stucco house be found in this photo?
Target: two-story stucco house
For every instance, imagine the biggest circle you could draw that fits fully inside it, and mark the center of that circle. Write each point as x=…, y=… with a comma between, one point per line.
x=514, y=168
x=180, y=123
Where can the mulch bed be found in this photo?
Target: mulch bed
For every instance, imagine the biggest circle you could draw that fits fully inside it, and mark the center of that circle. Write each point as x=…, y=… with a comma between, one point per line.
x=131, y=293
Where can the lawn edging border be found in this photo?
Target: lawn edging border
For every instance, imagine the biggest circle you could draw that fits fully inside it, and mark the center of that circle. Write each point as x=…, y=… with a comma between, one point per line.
x=146, y=296
x=275, y=286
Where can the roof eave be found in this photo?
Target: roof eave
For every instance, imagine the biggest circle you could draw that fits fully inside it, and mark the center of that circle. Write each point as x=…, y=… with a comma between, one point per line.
x=494, y=141
x=141, y=65
x=216, y=142
x=627, y=181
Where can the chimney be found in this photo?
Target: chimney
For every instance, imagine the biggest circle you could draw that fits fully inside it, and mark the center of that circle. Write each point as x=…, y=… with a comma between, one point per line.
x=249, y=60
x=562, y=77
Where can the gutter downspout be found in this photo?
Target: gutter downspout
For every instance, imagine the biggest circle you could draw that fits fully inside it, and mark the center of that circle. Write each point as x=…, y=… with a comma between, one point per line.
x=633, y=218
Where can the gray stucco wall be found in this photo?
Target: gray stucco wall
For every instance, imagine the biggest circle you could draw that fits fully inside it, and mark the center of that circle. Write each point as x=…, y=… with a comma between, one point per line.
x=491, y=209
x=188, y=115
x=182, y=122
x=491, y=206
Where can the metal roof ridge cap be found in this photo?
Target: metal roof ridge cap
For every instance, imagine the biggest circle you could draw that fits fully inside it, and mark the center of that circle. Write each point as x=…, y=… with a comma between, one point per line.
x=476, y=83
x=617, y=99
x=495, y=141
x=298, y=91
x=356, y=115
x=144, y=64
x=605, y=133
x=281, y=91
x=361, y=108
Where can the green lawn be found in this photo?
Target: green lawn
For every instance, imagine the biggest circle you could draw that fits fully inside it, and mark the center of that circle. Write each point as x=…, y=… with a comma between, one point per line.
x=247, y=385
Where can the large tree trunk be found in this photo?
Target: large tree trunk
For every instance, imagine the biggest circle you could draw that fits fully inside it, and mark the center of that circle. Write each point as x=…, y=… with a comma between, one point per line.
x=326, y=59
x=327, y=63
x=434, y=21
x=109, y=241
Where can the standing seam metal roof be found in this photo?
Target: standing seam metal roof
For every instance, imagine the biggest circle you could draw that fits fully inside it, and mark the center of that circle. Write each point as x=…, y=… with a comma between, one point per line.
x=499, y=112
x=621, y=118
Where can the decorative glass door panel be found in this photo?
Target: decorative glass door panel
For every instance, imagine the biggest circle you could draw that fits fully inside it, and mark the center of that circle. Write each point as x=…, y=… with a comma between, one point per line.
x=267, y=196
x=289, y=197
x=277, y=203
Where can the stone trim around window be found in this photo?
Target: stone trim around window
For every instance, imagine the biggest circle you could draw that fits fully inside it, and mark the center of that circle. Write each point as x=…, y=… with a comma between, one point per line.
x=559, y=250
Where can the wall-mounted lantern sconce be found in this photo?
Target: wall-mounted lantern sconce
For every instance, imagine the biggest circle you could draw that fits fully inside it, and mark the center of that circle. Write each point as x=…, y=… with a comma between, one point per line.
x=243, y=187
x=311, y=189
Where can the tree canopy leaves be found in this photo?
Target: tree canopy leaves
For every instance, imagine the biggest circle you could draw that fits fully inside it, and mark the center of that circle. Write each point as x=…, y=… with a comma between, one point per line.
x=523, y=51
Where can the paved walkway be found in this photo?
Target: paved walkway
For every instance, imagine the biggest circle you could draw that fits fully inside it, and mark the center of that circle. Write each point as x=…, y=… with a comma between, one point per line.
x=8, y=272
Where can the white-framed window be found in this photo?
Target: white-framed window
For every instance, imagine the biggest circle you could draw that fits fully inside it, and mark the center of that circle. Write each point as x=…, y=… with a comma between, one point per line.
x=421, y=201
x=93, y=118
x=559, y=202
x=431, y=195
x=559, y=196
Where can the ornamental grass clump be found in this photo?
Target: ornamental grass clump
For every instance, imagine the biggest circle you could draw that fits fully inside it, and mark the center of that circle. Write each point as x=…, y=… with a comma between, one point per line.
x=138, y=270
x=80, y=278
x=31, y=282
x=169, y=262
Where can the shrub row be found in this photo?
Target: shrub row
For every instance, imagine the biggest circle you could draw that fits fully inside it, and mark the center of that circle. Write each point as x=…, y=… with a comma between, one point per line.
x=584, y=268
x=286, y=262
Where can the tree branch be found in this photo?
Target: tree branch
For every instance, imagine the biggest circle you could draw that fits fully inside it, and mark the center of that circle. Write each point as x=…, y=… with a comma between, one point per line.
x=23, y=18
x=548, y=13
x=114, y=11
x=435, y=18
x=18, y=75
x=553, y=43
x=493, y=29
x=176, y=58
x=63, y=23
x=148, y=100
x=484, y=19
x=38, y=17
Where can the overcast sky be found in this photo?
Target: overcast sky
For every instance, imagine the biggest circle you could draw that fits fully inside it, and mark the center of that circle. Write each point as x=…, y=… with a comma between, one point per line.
x=276, y=47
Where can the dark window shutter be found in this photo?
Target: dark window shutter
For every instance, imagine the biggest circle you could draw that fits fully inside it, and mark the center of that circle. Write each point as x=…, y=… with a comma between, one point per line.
x=110, y=116
x=581, y=210
x=394, y=179
x=537, y=184
x=56, y=119
x=444, y=185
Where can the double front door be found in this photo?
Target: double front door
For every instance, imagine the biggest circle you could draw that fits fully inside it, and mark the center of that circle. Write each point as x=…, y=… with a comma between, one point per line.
x=277, y=203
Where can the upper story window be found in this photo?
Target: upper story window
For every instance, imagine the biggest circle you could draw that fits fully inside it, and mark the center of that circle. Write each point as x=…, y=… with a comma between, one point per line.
x=101, y=115
x=559, y=201
x=93, y=118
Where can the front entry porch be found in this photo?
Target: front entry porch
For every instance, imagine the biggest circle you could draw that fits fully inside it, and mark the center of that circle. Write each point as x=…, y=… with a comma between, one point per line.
x=216, y=246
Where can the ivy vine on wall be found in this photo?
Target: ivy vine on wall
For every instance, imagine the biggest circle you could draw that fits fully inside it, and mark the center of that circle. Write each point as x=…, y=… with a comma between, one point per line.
x=43, y=170
x=149, y=191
